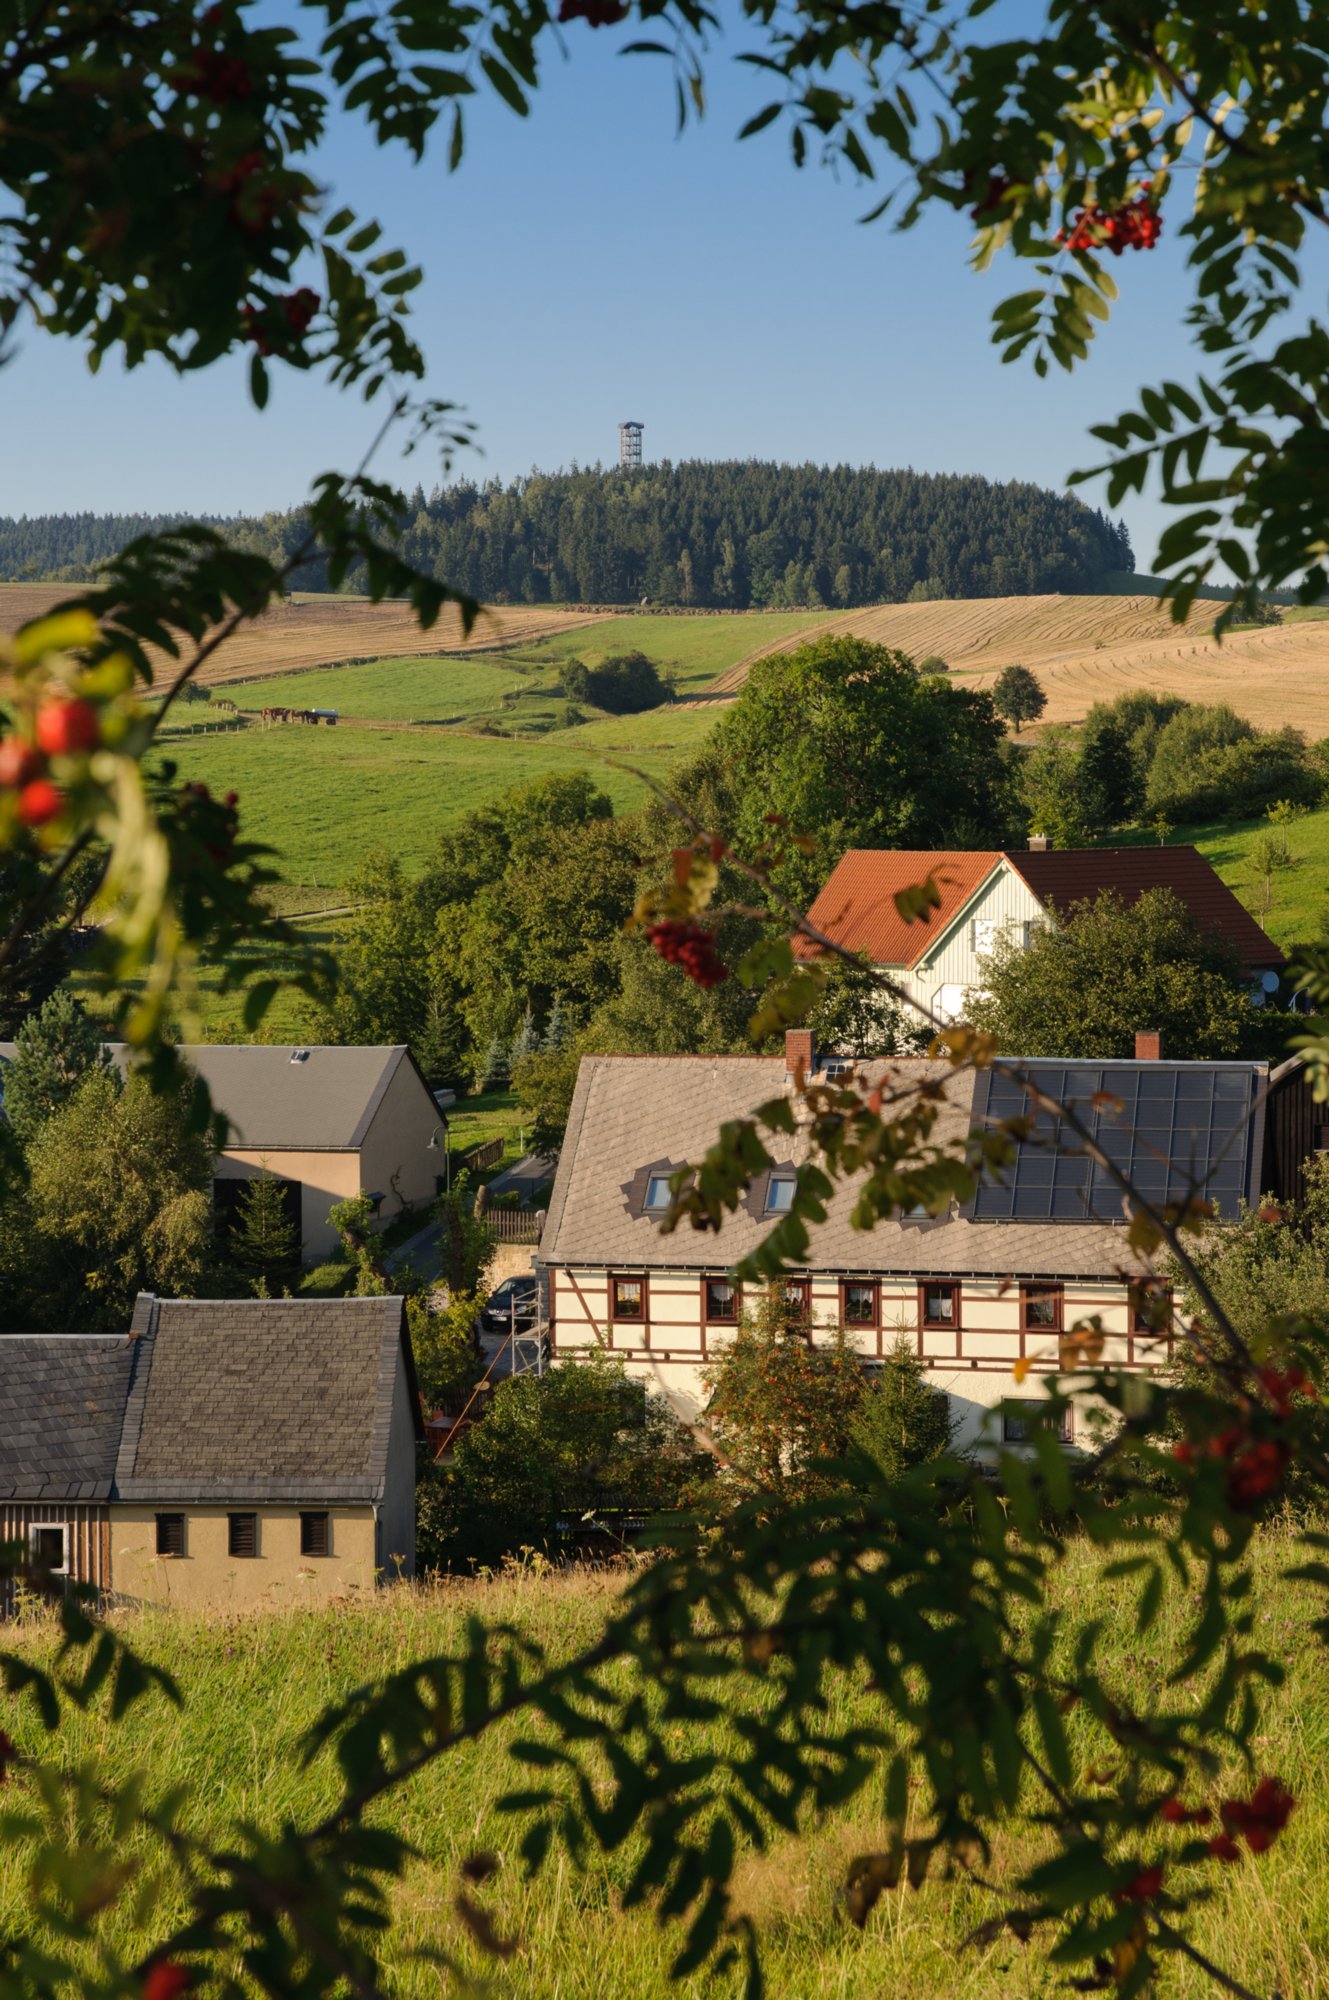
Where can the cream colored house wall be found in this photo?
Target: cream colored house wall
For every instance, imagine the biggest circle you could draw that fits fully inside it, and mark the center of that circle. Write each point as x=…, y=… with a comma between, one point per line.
x=395, y=1159
x=1004, y=899
x=324, y=1177
x=973, y=1363
x=208, y=1577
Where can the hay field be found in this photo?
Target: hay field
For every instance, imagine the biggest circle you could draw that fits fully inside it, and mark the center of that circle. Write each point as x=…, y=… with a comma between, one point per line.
x=1088, y=649
x=310, y=631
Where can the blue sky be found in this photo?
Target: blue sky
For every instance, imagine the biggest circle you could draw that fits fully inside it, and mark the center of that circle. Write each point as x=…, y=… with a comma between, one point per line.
x=587, y=264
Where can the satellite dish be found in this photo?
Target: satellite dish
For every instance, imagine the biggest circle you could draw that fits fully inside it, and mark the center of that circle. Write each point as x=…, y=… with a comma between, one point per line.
x=1269, y=981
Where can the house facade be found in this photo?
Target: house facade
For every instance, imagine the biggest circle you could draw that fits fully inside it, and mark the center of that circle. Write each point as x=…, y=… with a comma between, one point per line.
x=328, y=1123
x=988, y=895
x=223, y=1453
x=972, y=1290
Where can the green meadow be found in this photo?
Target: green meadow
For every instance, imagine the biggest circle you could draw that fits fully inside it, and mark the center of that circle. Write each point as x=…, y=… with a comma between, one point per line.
x=253, y=1685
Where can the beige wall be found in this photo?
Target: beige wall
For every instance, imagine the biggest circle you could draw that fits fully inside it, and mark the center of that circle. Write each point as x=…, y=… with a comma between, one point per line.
x=395, y=1159
x=952, y=964
x=207, y=1576
x=973, y=1363
x=324, y=1177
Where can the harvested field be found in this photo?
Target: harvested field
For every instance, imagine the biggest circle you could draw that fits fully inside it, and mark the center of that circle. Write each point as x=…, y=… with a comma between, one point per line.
x=1088, y=649
x=321, y=631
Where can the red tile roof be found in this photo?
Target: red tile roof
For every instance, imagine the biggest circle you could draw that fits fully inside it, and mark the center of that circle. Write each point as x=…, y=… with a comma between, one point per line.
x=1073, y=874
x=857, y=906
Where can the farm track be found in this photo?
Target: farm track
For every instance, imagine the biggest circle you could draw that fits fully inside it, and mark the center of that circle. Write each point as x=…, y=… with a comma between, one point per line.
x=1088, y=649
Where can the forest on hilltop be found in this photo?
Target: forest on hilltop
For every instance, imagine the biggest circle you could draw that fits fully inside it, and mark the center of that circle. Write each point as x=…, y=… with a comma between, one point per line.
x=733, y=535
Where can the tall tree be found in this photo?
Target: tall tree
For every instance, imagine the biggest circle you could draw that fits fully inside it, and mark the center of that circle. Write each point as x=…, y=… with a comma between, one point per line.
x=54, y=1050
x=263, y=1242
x=1018, y=695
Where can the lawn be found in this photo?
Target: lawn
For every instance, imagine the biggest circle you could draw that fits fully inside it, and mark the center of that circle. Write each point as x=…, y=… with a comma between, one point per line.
x=323, y=797
x=252, y=1685
x=1300, y=899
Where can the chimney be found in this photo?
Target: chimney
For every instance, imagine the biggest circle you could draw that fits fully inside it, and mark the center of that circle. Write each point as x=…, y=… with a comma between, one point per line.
x=1148, y=1045
x=798, y=1050
x=1038, y=843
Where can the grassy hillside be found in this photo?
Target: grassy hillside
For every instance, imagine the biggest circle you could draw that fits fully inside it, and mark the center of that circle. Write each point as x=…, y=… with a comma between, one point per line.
x=1299, y=909
x=253, y=1685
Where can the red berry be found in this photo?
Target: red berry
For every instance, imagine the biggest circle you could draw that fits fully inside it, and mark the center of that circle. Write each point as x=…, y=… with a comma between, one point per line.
x=166, y=1981
x=67, y=728
x=1142, y=1887
x=39, y=802
x=1223, y=1847
x=300, y=309
x=19, y=762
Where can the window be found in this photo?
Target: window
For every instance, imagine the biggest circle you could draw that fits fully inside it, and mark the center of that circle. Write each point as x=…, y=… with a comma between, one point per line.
x=1020, y=1420
x=798, y=1298
x=1151, y=1308
x=837, y=1067
x=779, y=1194
x=941, y=1304
x=315, y=1539
x=170, y=1534
x=719, y=1301
x=1040, y=1308
x=627, y=1298
x=47, y=1548
x=858, y=1302
x=658, y=1196
x=986, y=931
x=242, y=1534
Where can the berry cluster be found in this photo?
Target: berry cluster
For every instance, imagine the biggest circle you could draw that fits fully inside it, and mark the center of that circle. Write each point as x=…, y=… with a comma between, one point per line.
x=266, y=325
x=166, y=1981
x=595, y=13
x=64, y=727
x=691, y=946
x=1259, y=1819
x=221, y=79
x=991, y=197
x=1255, y=1466
x=1137, y=225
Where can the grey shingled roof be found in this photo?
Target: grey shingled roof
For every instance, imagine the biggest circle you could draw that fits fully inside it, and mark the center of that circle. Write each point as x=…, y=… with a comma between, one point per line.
x=263, y=1399
x=62, y=1401
x=631, y=1111
x=325, y=1103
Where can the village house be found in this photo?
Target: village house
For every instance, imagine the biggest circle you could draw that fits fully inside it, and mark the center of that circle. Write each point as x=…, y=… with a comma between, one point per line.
x=973, y=1290
x=220, y=1453
x=987, y=895
x=326, y=1122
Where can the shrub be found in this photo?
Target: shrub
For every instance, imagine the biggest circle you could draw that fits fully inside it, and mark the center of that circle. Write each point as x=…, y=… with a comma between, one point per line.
x=902, y=1420
x=1209, y=760
x=933, y=664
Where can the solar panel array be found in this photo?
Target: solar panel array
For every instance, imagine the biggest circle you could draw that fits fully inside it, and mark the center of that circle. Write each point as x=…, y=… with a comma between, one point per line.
x=1173, y=1128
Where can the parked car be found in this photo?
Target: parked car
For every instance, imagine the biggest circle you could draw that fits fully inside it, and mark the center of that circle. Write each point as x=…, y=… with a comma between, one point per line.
x=515, y=1303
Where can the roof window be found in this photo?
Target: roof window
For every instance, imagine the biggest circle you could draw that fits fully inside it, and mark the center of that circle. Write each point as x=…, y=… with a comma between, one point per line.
x=658, y=1196
x=299, y=1055
x=780, y=1194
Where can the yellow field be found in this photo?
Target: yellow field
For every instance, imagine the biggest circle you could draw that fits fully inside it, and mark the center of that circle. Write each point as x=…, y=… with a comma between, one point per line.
x=313, y=631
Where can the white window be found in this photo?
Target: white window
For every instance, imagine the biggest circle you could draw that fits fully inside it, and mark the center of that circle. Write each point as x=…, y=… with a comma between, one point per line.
x=985, y=931
x=949, y=1002
x=779, y=1194
x=47, y=1544
x=658, y=1196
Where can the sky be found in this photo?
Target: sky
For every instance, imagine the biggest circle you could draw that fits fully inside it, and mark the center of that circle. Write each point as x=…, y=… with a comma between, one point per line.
x=587, y=264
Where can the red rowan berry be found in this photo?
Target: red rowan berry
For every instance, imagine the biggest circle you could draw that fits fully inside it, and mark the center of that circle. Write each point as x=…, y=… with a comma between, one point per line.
x=39, y=802
x=19, y=762
x=300, y=309
x=1141, y=1887
x=1223, y=1847
x=166, y=1981
x=65, y=728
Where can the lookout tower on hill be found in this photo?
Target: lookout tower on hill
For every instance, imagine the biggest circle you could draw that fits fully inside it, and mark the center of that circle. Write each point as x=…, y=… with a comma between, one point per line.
x=629, y=446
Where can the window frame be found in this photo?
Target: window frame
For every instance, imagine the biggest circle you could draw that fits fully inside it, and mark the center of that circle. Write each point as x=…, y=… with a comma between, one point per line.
x=951, y=1285
x=232, y=1520
x=1065, y=1434
x=872, y=1285
x=308, y=1516
x=619, y=1318
x=163, y=1534
x=1039, y=1288
x=647, y=1206
x=708, y=1318
x=802, y=1314
x=61, y=1528
x=773, y=1181
x=1139, y=1327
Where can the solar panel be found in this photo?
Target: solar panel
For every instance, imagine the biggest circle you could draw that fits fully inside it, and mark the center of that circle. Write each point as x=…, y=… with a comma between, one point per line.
x=1172, y=1129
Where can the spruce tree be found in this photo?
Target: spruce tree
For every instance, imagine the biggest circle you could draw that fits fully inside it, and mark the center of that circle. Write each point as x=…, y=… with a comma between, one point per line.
x=264, y=1242
x=902, y=1420
x=55, y=1050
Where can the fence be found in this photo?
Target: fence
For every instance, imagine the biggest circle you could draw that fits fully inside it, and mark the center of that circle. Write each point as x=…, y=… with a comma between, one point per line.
x=476, y=1158
x=514, y=1225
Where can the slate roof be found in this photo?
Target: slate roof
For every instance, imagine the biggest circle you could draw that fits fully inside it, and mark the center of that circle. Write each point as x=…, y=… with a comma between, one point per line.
x=263, y=1399
x=325, y=1102
x=1070, y=875
x=62, y=1400
x=633, y=1112
x=857, y=905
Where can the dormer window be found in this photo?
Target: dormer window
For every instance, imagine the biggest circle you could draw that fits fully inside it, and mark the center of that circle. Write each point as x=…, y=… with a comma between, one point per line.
x=780, y=1194
x=658, y=1195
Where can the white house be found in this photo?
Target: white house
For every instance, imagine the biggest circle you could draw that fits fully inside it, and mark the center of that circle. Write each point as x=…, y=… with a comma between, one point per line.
x=990, y=893
x=973, y=1290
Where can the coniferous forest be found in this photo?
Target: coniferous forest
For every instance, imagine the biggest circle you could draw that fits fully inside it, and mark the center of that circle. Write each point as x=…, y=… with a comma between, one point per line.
x=729, y=535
